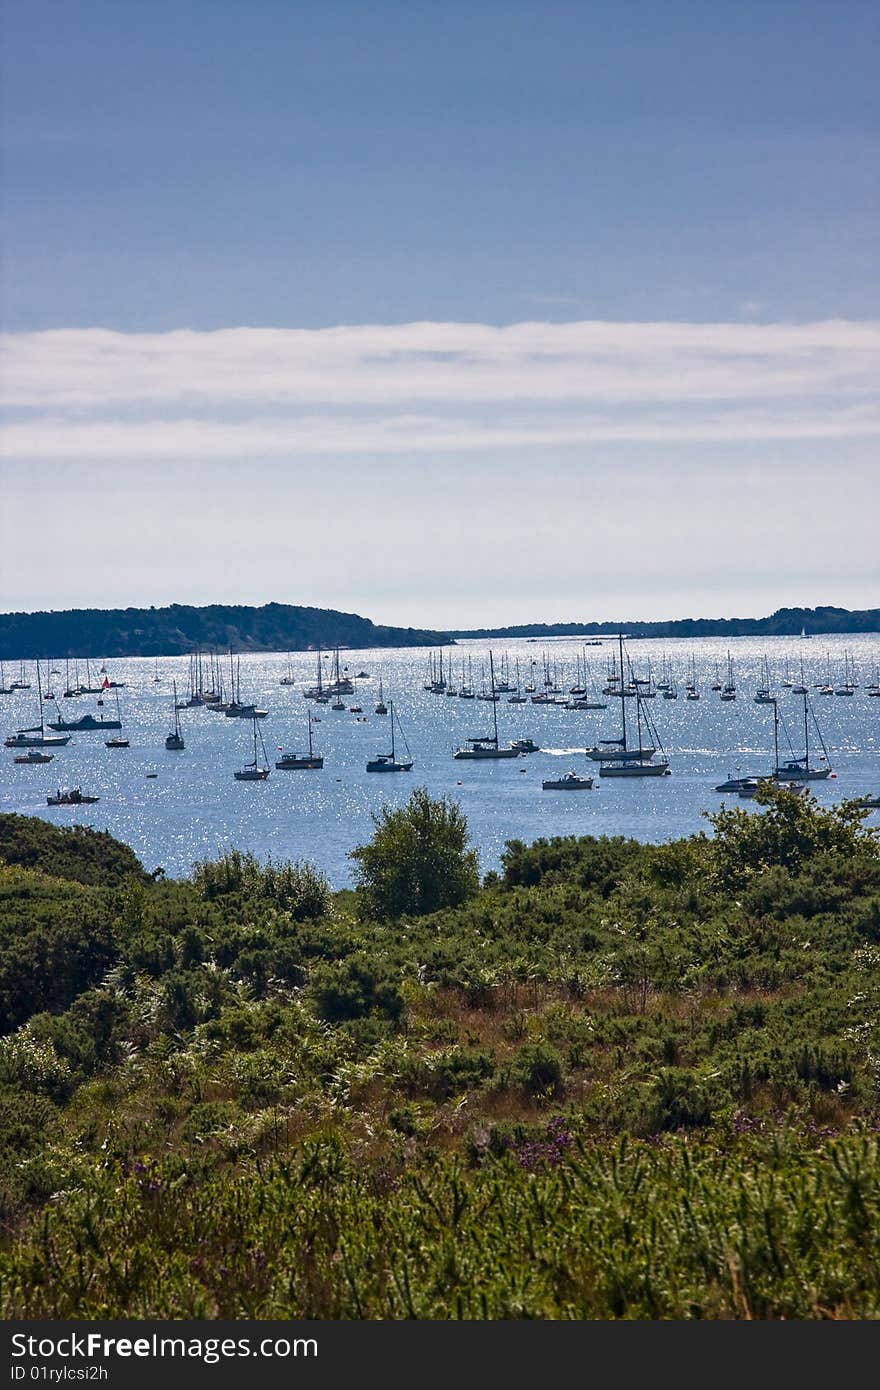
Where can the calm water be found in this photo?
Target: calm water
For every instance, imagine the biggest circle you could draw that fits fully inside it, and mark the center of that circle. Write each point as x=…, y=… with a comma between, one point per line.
x=194, y=808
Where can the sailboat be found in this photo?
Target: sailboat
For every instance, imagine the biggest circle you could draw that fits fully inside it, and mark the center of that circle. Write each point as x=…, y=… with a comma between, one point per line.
x=22, y=683
x=254, y=771
x=174, y=741
x=763, y=695
x=288, y=679
x=691, y=686
x=381, y=707
x=800, y=689
x=340, y=687
x=849, y=683
x=4, y=688
x=486, y=745
x=290, y=762
x=619, y=759
x=387, y=762
x=466, y=689
x=517, y=698
x=799, y=769
x=729, y=690
x=117, y=741
x=36, y=736
x=716, y=684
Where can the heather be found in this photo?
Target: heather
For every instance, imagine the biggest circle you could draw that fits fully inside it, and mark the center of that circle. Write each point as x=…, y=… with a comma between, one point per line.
x=612, y=1080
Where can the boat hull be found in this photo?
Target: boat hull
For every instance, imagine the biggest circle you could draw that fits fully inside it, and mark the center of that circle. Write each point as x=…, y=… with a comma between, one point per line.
x=619, y=755
x=634, y=770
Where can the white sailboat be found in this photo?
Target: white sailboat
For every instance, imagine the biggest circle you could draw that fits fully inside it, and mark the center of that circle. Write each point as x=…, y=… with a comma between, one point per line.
x=483, y=746
x=296, y=761
x=800, y=769
x=388, y=762
x=36, y=736
x=621, y=760
x=254, y=771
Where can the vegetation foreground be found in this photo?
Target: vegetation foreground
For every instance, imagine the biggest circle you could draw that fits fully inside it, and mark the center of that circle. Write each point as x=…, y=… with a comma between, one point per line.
x=612, y=1081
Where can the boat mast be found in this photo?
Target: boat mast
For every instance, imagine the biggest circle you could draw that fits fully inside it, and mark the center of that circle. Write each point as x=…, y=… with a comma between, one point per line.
x=392, y=731
x=622, y=696
x=40, y=698
x=806, y=737
x=492, y=692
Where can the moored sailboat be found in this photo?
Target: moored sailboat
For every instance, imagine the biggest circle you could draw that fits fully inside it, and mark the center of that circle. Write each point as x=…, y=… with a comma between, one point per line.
x=388, y=762
x=295, y=761
x=625, y=761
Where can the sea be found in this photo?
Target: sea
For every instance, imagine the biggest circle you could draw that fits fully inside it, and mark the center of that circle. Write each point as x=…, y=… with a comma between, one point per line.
x=177, y=808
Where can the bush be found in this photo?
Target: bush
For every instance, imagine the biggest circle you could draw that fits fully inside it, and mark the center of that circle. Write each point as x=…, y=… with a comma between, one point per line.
x=417, y=861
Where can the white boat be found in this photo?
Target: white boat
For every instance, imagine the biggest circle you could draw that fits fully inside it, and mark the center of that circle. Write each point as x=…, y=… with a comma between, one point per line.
x=33, y=755
x=289, y=762
x=632, y=762
x=800, y=769
x=486, y=746
x=728, y=691
x=388, y=762
x=254, y=771
x=571, y=782
x=381, y=707
x=36, y=736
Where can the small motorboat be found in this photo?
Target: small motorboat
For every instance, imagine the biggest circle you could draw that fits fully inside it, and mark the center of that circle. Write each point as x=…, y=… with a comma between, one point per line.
x=571, y=782
x=33, y=755
x=116, y=743
x=865, y=803
x=525, y=745
x=71, y=797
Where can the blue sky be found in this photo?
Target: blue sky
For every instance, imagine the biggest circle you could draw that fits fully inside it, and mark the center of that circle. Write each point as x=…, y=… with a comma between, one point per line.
x=614, y=177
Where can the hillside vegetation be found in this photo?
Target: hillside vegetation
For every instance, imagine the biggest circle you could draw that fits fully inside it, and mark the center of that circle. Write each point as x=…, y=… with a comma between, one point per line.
x=613, y=1080
x=181, y=628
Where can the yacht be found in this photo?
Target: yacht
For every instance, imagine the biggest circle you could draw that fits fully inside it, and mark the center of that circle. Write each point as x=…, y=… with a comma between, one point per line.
x=254, y=771
x=484, y=746
x=294, y=761
x=625, y=761
x=36, y=736
x=800, y=769
x=570, y=782
x=174, y=741
x=388, y=762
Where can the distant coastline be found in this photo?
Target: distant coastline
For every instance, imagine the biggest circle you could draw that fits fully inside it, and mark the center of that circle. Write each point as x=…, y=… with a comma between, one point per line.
x=178, y=629
x=785, y=622
x=181, y=628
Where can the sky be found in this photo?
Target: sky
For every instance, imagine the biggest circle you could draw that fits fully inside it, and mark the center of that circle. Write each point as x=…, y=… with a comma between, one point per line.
x=451, y=314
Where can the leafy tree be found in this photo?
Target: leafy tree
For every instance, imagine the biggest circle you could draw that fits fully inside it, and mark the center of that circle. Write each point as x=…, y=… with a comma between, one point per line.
x=418, y=860
x=792, y=832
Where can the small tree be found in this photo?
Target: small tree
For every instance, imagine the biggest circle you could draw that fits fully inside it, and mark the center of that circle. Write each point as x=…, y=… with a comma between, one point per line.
x=417, y=861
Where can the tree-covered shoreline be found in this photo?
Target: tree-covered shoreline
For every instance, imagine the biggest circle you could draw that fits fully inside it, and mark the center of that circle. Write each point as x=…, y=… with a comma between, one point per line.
x=178, y=629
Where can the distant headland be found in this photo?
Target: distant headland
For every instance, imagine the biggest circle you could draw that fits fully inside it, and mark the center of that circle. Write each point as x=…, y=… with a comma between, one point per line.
x=181, y=628
x=785, y=622
x=276, y=627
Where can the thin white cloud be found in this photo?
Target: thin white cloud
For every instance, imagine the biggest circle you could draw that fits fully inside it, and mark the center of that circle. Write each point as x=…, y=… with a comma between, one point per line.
x=404, y=434
x=433, y=386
